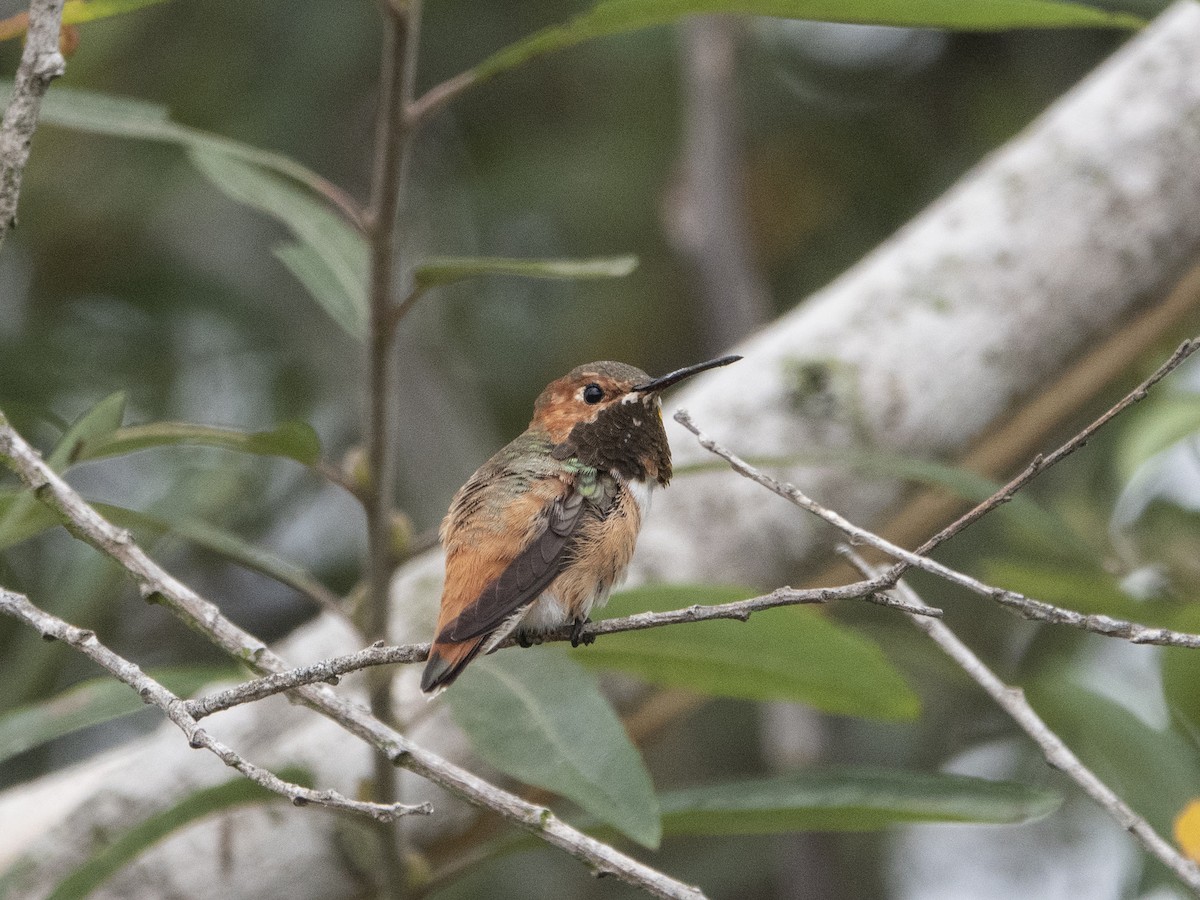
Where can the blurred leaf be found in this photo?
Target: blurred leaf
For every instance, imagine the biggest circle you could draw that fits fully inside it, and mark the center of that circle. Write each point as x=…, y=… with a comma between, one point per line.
x=90, y=703
x=611, y=17
x=76, y=12
x=96, y=424
x=291, y=440
x=447, y=270
x=848, y=800
x=540, y=718
x=269, y=182
x=1091, y=592
x=344, y=301
x=321, y=233
x=1152, y=770
x=22, y=515
x=1156, y=427
x=229, y=545
x=126, y=117
x=783, y=654
x=112, y=857
x=1181, y=687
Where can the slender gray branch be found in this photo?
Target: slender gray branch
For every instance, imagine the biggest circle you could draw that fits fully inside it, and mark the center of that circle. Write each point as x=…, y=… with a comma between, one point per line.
x=1058, y=754
x=41, y=63
x=379, y=654
x=151, y=691
x=157, y=584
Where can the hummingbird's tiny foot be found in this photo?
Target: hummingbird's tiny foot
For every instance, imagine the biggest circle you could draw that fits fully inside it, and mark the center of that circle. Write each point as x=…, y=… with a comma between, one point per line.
x=577, y=635
x=527, y=638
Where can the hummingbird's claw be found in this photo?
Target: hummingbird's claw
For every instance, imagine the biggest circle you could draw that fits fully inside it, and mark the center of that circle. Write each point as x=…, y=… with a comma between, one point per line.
x=527, y=639
x=577, y=635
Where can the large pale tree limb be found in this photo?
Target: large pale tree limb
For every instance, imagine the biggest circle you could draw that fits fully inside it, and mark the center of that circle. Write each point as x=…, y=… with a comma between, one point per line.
x=1090, y=214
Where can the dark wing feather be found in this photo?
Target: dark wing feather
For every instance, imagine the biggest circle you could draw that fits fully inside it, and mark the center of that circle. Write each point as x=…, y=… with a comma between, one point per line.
x=530, y=573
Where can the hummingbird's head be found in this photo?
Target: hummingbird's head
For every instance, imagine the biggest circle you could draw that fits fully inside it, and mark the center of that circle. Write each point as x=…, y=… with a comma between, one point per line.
x=610, y=416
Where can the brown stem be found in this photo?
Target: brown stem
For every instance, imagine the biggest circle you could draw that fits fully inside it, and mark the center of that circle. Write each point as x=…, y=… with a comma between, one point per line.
x=401, y=26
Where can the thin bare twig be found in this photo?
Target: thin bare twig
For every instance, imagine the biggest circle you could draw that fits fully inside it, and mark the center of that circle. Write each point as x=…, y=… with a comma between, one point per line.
x=1024, y=606
x=41, y=63
x=1058, y=754
x=401, y=28
x=156, y=583
x=151, y=691
x=379, y=654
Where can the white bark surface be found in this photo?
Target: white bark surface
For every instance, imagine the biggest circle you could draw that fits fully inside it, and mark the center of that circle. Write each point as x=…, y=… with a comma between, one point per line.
x=1043, y=248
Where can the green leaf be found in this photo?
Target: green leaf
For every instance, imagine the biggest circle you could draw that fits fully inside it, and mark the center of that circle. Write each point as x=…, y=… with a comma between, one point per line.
x=269, y=182
x=344, y=301
x=229, y=545
x=440, y=270
x=22, y=515
x=126, y=117
x=1153, y=770
x=1181, y=687
x=333, y=256
x=540, y=718
x=291, y=440
x=1156, y=427
x=611, y=17
x=96, y=424
x=76, y=12
x=849, y=799
x=111, y=857
x=792, y=654
x=90, y=703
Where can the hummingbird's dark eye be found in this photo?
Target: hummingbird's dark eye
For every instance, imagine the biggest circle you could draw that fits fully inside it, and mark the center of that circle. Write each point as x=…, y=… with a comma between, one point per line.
x=593, y=393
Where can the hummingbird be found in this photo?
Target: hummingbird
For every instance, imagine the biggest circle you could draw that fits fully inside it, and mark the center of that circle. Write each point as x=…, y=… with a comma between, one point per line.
x=541, y=533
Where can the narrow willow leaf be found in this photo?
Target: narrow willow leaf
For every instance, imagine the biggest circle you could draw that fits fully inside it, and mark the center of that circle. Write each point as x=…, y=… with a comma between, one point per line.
x=291, y=440
x=76, y=12
x=446, y=270
x=1181, y=677
x=320, y=231
x=1156, y=427
x=541, y=718
x=792, y=654
x=90, y=703
x=125, y=117
x=344, y=302
x=610, y=17
x=1151, y=769
x=23, y=516
x=849, y=799
x=112, y=857
x=229, y=545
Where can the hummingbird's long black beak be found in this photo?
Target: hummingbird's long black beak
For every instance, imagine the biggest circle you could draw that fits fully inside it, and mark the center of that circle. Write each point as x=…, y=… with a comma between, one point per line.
x=659, y=384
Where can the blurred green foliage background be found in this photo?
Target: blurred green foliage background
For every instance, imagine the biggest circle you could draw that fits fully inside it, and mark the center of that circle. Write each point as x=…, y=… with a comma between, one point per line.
x=129, y=272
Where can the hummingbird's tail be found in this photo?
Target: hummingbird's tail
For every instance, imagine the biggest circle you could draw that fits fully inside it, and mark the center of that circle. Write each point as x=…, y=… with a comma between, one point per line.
x=446, y=662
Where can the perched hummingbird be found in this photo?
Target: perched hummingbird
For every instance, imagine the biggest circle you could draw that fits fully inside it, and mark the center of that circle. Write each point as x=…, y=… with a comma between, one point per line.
x=539, y=535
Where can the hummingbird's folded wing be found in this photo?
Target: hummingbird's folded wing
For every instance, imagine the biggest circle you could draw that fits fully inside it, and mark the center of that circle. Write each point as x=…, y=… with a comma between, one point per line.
x=524, y=579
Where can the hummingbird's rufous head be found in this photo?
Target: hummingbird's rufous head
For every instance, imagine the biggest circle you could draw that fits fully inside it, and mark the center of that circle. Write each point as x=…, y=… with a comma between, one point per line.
x=610, y=410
